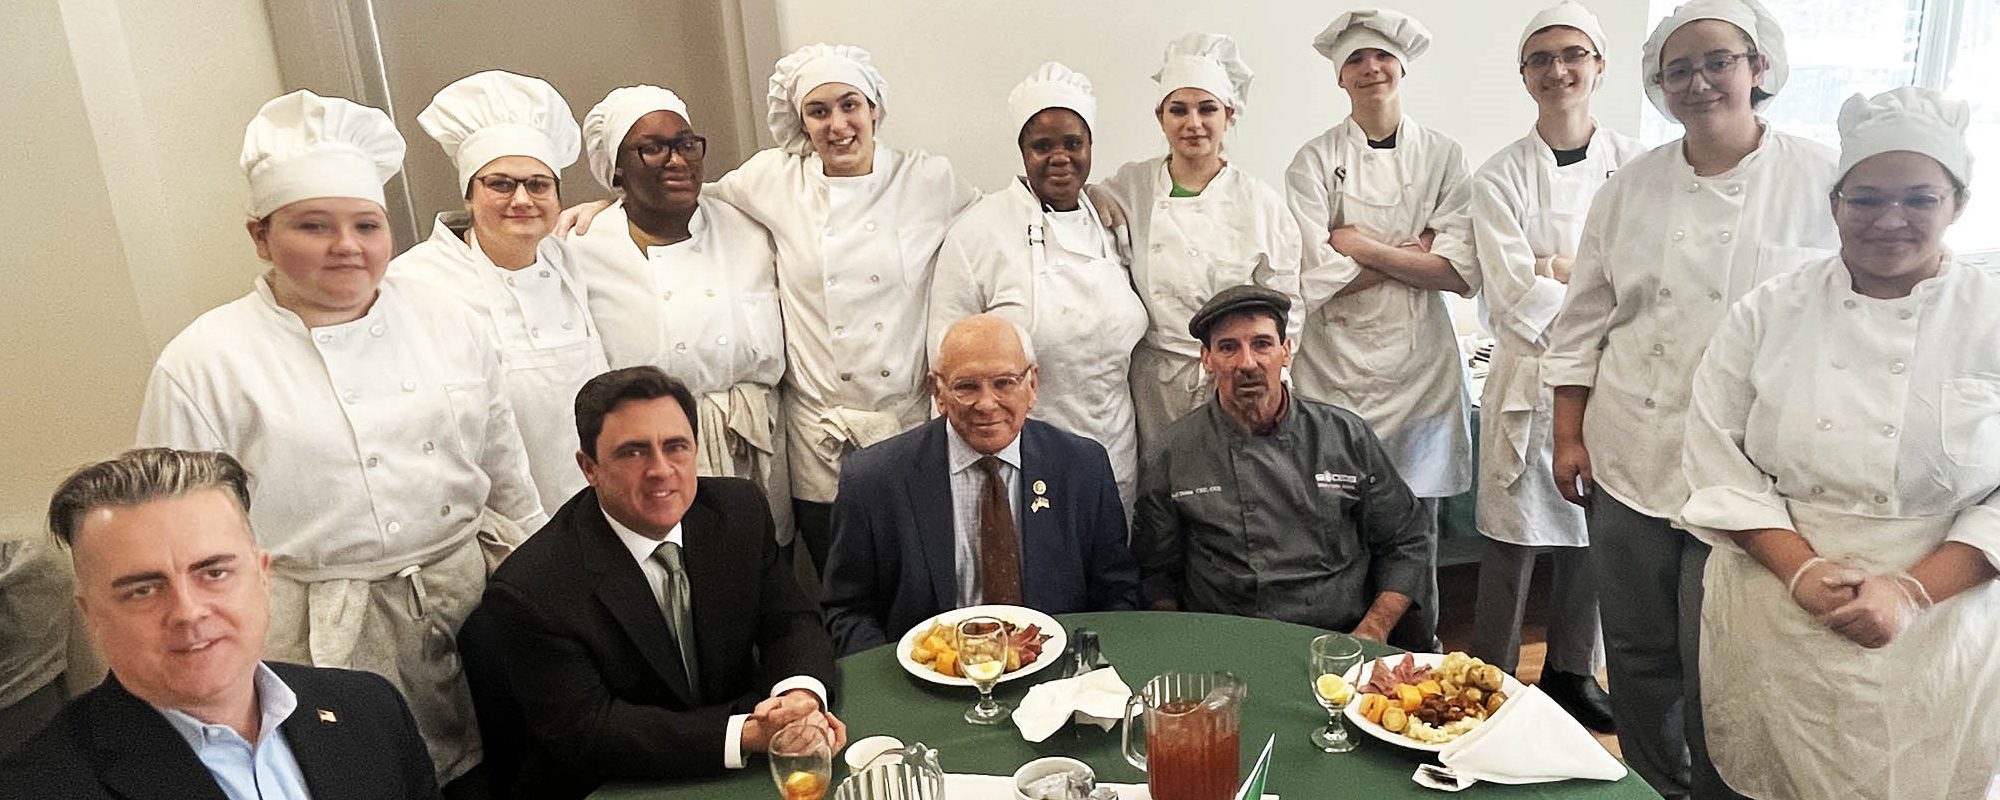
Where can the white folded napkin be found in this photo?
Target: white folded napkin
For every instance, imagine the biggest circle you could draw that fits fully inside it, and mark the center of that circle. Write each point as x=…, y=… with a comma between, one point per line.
x=1097, y=697
x=1531, y=740
x=958, y=786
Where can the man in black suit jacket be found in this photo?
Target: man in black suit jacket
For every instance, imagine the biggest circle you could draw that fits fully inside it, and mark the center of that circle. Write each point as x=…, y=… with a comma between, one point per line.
x=915, y=533
x=175, y=593
x=586, y=611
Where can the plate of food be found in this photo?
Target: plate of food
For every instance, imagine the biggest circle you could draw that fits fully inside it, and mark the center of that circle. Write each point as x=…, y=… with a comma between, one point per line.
x=1423, y=701
x=927, y=651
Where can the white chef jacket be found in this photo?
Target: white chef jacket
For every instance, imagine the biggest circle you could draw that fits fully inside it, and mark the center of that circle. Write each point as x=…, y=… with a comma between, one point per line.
x=1387, y=353
x=1664, y=253
x=1524, y=208
x=548, y=342
x=854, y=269
x=1058, y=275
x=1871, y=427
x=373, y=444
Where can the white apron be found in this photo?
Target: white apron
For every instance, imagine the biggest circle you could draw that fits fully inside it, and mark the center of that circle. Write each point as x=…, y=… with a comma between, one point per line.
x=1087, y=318
x=1389, y=353
x=1794, y=710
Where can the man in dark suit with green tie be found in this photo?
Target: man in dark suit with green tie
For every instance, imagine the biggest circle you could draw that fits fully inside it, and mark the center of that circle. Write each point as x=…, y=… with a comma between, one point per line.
x=651, y=629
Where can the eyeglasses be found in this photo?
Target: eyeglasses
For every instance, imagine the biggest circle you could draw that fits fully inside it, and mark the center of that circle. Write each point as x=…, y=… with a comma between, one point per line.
x=1716, y=66
x=1542, y=60
x=1005, y=387
x=656, y=153
x=538, y=185
x=1870, y=206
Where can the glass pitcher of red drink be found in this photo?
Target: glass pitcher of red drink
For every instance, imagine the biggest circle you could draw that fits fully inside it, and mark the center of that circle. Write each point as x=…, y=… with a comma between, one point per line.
x=1194, y=733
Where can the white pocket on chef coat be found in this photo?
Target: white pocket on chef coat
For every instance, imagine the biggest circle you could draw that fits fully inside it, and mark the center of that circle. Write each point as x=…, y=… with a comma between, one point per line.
x=470, y=401
x=1970, y=420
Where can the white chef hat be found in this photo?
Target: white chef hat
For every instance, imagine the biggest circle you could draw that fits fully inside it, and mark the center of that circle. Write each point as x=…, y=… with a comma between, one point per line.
x=302, y=146
x=1907, y=118
x=1209, y=62
x=809, y=68
x=1749, y=16
x=1052, y=85
x=1566, y=14
x=604, y=128
x=1394, y=32
x=495, y=114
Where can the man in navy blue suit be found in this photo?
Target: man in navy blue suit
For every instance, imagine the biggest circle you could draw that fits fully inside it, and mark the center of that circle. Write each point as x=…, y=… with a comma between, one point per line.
x=980, y=506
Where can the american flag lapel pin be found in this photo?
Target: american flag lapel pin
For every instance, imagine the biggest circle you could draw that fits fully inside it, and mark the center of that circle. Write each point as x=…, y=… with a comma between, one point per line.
x=328, y=717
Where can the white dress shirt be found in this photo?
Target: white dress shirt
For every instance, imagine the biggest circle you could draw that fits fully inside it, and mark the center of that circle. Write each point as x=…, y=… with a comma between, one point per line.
x=641, y=547
x=968, y=485
x=265, y=771
x=1664, y=253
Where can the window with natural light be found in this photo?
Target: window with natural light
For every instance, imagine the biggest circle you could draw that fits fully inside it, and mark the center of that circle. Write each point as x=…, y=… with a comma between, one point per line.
x=1840, y=47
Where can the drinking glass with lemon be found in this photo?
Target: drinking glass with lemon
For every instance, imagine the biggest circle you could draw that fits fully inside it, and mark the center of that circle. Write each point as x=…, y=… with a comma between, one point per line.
x=982, y=658
x=802, y=760
x=1333, y=655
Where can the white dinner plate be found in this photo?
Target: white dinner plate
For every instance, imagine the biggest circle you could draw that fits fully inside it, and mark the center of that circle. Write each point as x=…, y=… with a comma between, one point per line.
x=1359, y=674
x=1052, y=649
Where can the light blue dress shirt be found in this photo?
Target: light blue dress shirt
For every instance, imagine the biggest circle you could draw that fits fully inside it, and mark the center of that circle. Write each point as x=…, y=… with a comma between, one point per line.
x=968, y=484
x=267, y=771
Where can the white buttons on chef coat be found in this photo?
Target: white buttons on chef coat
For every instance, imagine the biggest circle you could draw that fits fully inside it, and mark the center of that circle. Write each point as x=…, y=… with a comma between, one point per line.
x=376, y=329
x=711, y=293
x=885, y=373
x=510, y=280
x=1659, y=349
x=680, y=347
x=1826, y=424
x=1714, y=295
x=874, y=279
x=444, y=510
x=1650, y=403
x=829, y=230
x=1848, y=304
x=1889, y=431
x=374, y=462
x=1839, y=364
x=1158, y=247
x=1726, y=236
x=667, y=295
x=1881, y=498
x=829, y=281
x=1694, y=186
x=847, y=376
x=324, y=338
x=720, y=340
x=430, y=447
x=545, y=273
x=409, y=386
x=1163, y=205
x=534, y=333
x=878, y=326
x=1819, y=490
x=1734, y=189
x=1193, y=252
x=840, y=330
x=351, y=397
x=1679, y=235
x=569, y=325
x=395, y=527
x=696, y=248
x=1666, y=292
x=868, y=226
x=1895, y=367
x=1905, y=314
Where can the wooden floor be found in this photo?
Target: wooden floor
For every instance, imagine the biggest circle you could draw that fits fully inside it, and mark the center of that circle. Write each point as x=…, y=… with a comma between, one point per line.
x=1457, y=594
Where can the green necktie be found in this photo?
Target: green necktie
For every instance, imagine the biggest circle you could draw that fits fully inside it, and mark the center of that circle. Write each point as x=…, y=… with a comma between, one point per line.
x=675, y=591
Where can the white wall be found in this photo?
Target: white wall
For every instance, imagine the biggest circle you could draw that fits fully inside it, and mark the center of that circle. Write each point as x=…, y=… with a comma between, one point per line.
x=950, y=64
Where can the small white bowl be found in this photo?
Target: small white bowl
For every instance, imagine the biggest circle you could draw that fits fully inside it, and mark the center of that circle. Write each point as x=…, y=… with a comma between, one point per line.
x=1044, y=767
x=862, y=751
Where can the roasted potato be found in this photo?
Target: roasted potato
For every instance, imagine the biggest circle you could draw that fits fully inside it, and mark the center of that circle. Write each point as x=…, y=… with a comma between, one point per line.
x=1394, y=720
x=1493, y=702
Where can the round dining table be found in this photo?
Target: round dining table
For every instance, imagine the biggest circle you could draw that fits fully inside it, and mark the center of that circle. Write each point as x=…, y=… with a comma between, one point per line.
x=876, y=696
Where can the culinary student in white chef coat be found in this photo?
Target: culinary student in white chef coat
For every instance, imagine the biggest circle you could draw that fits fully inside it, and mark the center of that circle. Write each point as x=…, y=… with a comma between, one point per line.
x=1528, y=204
x=1198, y=225
x=1036, y=254
x=1843, y=450
x=689, y=284
x=857, y=225
x=390, y=475
x=510, y=136
x=1671, y=241
x=1381, y=201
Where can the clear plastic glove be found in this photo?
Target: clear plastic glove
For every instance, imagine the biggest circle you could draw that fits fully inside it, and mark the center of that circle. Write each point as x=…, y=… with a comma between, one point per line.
x=1822, y=586
x=1880, y=610
x=576, y=219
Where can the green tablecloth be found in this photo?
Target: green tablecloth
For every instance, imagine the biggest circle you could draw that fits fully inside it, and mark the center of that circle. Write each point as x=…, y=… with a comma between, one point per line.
x=877, y=697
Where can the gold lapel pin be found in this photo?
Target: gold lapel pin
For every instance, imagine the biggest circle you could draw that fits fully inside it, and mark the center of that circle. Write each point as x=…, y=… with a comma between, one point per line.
x=328, y=717
x=1041, y=488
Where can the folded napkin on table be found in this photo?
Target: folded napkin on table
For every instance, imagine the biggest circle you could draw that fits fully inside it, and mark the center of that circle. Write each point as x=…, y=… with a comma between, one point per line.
x=1530, y=740
x=1097, y=697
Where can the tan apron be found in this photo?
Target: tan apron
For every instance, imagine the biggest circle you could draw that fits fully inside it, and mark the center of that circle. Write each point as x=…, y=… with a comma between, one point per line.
x=401, y=626
x=739, y=439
